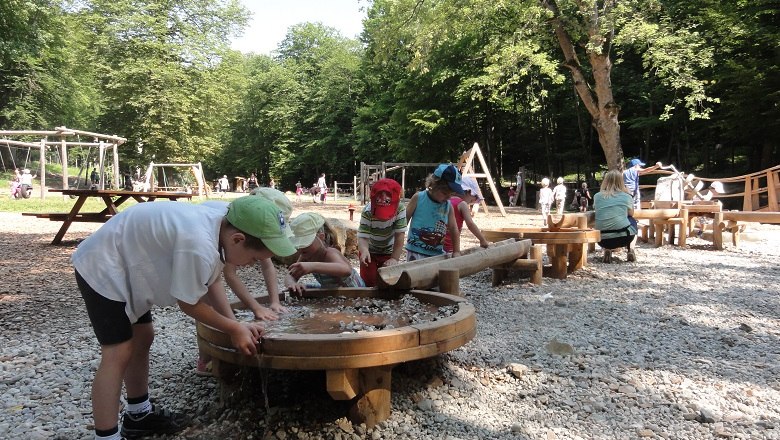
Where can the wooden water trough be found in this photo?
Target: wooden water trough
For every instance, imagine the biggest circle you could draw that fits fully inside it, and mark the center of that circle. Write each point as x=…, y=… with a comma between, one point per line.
x=357, y=365
x=446, y=272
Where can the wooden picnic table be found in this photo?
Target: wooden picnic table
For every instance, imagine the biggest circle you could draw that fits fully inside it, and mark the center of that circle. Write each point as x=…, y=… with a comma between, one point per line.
x=112, y=199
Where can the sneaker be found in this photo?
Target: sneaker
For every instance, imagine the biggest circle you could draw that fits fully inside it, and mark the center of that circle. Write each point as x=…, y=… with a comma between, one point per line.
x=631, y=255
x=607, y=256
x=203, y=368
x=156, y=421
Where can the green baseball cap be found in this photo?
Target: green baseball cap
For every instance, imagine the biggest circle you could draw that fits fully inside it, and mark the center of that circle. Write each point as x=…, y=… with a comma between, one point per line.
x=261, y=218
x=279, y=199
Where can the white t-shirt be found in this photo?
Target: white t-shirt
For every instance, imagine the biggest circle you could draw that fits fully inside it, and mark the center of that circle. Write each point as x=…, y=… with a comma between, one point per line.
x=559, y=192
x=153, y=253
x=27, y=179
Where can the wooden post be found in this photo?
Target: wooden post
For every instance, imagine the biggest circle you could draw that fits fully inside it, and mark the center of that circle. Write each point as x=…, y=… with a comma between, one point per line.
x=449, y=281
x=64, y=156
x=536, y=254
x=717, y=231
x=43, y=168
x=117, y=171
x=373, y=406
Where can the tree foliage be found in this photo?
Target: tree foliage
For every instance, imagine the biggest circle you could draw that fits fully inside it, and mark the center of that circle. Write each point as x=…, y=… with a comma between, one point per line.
x=560, y=86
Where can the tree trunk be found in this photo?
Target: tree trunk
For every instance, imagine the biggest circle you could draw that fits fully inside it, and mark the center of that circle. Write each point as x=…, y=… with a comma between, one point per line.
x=596, y=97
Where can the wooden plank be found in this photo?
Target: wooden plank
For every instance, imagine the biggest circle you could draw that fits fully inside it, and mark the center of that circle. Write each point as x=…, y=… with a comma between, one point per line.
x=374, y=404
x=753, y=216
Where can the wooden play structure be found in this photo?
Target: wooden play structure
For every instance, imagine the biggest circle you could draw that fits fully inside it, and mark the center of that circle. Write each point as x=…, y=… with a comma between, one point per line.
x=567, y=239
x=446, y=272
x=467, y=168
x=667, y=220
x=358, y=365
x=65, y=139
x=156, y=179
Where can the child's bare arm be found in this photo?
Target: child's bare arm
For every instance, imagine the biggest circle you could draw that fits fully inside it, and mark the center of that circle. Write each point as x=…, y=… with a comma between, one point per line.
x=398, y=247
x=243, y=336
x=365, y=256
x=335, y=264
x=410, y=207
x=465, y=211
x=216, y=297
x=272, y=284
x=452, y=228
x=243, y=294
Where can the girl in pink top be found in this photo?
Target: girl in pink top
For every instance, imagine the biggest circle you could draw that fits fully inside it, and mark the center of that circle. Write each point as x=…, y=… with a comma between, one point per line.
x=461, y=206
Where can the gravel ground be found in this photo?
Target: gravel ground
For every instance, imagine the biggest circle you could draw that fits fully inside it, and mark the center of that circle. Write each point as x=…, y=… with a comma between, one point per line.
x=682, y=344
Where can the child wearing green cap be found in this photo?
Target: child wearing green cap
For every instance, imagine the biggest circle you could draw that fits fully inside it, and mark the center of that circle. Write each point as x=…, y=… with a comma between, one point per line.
x=431, y=216
x=318, y=256
x=164, y=254
x=266, y=266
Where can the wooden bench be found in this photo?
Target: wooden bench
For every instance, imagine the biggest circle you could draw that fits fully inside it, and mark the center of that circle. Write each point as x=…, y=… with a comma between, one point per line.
x=62, y=216
x=729, y=221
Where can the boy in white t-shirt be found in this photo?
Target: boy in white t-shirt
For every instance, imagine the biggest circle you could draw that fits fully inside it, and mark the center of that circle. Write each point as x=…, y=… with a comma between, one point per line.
x=559, y=194
x=545, y=199
x=162, y=254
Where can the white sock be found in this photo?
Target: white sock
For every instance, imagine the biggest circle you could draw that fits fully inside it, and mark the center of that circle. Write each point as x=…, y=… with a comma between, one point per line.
x=139, y=408
x=114, y=436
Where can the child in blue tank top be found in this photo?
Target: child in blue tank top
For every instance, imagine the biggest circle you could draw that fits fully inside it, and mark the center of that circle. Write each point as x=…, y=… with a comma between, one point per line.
x=430, y=215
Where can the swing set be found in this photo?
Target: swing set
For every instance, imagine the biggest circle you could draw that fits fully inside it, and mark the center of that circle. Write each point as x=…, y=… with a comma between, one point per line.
x=103, y=143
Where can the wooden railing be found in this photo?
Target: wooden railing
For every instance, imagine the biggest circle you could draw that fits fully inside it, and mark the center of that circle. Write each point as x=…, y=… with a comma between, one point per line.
x=761, y=190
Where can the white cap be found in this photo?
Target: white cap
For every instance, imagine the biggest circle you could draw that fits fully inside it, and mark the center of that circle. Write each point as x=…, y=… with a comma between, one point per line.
x=717, y=187
x=469, y=184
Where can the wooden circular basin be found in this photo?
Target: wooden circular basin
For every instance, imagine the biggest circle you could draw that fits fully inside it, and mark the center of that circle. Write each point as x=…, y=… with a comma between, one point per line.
x=326, y=351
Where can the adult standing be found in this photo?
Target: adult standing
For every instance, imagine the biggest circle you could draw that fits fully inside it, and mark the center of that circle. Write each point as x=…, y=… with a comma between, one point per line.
x=631, y=178
x=252, y=182
x=323, y=186
x=585, y=197
x=614, y=208
x=223, y=185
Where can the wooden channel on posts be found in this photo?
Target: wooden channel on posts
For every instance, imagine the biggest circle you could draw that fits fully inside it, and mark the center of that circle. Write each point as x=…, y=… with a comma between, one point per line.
x=445, y=272
x=358, y=365
x=567, y=248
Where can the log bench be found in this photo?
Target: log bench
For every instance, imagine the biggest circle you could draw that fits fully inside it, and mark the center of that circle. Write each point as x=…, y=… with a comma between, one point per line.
x=729, y=221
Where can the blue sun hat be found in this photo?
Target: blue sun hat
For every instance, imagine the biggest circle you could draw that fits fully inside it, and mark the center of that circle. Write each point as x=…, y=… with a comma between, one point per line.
x=450, y=174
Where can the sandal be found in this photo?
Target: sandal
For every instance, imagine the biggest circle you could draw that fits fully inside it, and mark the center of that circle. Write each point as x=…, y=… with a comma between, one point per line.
x=203, y=368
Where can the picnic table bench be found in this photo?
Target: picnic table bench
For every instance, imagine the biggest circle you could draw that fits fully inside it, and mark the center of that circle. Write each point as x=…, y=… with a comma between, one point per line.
x=112, y=199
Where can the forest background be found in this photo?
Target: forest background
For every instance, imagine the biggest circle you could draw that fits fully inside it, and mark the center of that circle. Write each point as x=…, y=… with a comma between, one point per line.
x=561, y=87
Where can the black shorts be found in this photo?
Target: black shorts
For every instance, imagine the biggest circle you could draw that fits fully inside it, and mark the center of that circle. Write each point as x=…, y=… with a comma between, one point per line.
x=616, y=242
x=108, y=317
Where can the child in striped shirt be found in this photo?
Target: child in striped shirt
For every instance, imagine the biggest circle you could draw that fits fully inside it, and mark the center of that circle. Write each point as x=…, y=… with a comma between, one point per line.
x=382, y=230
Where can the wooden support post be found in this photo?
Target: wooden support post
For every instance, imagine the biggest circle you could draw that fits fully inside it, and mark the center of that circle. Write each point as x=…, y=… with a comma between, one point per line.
x=43, y=168
x=449, y=281
x=536, y=254
x=578, y=256
x=64, y=157
x=717, y=231
x=373, y=406
x=343, y=384
x=558, y=254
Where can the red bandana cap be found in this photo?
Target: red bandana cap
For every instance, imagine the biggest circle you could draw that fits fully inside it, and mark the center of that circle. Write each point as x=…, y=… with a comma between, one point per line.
x=381, y=208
